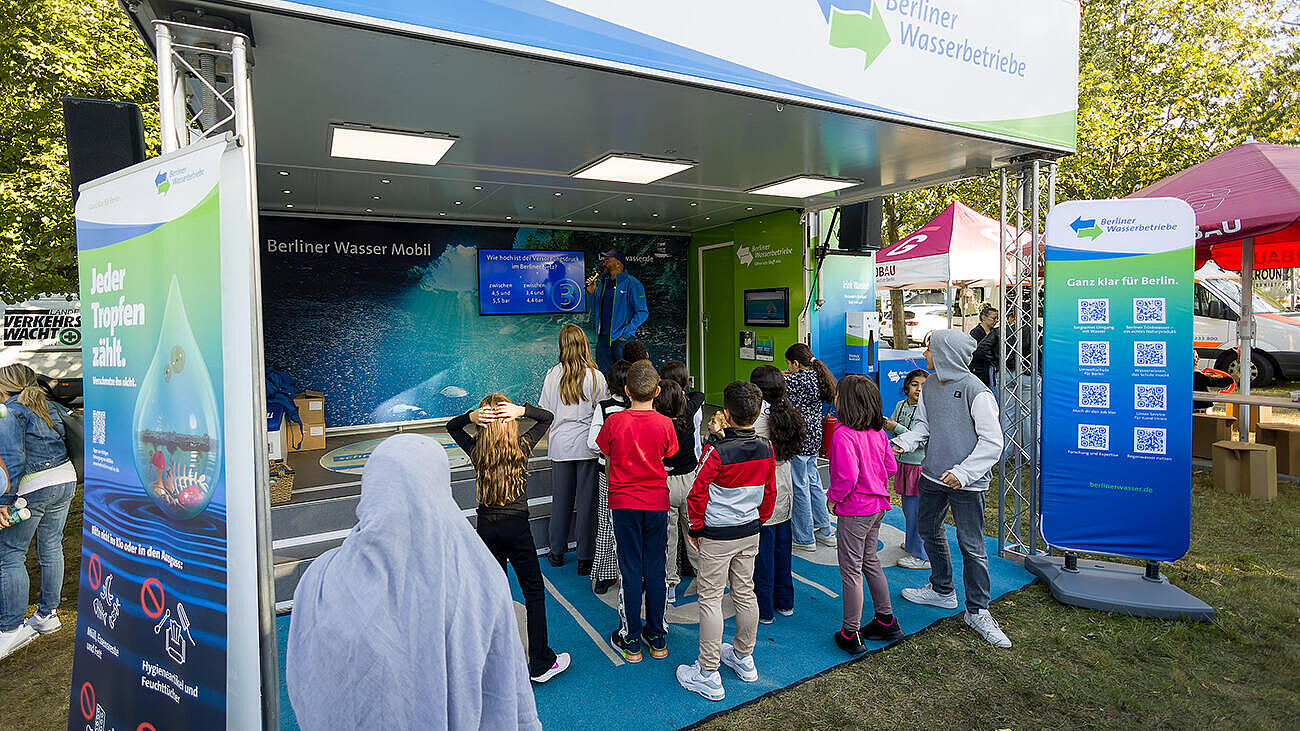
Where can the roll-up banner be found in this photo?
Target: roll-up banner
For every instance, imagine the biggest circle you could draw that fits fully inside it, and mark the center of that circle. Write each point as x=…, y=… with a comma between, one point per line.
x=168, y=568
x=1118, y=361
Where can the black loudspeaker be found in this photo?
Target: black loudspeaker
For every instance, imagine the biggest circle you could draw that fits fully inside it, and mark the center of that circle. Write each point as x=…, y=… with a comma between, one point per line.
x=103, y=137
x=860, y=225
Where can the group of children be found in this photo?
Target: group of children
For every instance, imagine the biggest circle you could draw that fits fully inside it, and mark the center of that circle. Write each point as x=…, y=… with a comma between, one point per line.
x=632, y=455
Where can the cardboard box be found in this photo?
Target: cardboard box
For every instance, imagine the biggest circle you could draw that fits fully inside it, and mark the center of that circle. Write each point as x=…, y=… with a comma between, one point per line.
x=1257, y=414
x=1285, y=438
x=1208, y=429
x=310, y=435
x=1246, y=468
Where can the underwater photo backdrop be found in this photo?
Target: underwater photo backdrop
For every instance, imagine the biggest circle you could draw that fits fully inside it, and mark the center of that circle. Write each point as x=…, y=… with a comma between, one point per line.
x=383, y=317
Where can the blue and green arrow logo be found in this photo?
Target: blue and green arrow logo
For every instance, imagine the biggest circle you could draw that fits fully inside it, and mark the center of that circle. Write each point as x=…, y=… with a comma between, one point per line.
x=1086, y=229
x=162, y=182
x=854, y=25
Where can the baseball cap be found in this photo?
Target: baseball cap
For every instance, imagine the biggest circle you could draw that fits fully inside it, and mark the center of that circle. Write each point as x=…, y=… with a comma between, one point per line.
x=614, y=253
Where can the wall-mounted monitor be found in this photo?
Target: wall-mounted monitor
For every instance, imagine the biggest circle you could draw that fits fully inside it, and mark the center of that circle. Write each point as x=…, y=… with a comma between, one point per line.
x=767, y=307
x=530, y=281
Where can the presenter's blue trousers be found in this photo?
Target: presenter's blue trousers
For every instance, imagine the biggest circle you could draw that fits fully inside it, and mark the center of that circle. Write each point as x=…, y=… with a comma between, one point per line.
x=641, y=542
x=607, y=353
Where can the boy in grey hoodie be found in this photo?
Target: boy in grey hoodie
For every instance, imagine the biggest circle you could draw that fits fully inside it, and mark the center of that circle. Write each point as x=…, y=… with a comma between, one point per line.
x=955, y=474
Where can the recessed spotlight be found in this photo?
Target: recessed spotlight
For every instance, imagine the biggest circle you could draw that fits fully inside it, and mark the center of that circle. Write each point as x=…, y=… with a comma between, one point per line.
x=286, y=191
x=595, y=211
x=284, y=172
x=803, y=186
x=385, y=181
x=558, y=194
x=478, y=187
x=656, y=215
x=442, y=213
x=415, y=148
x=706, y=218
x=629, y=200
x=622, y=168
x=288, y=205
x=370, y=210
x=508, y=218
x=568, y=220
x=457, y=202
x=374, y=197
x=624, y=223
x=749, y=208
x=673, y=226
x=694, y=204
x=530, y=208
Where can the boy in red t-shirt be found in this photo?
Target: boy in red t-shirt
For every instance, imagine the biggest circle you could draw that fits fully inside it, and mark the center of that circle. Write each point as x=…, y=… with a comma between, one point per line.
x=636, y=442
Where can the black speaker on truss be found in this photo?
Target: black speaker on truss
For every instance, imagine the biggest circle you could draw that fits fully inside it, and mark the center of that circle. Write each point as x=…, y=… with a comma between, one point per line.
x=103, y=137
x=860, y=225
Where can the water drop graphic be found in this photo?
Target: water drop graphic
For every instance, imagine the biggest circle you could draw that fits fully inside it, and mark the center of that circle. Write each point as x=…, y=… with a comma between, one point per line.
x=177, y=432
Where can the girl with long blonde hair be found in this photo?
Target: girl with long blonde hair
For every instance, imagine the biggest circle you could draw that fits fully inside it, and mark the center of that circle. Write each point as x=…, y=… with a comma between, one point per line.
x=33, y=456
x=571, y=390
x=500, y=457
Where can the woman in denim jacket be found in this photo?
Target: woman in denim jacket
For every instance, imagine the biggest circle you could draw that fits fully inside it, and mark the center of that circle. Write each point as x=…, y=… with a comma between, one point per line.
x=36, y=465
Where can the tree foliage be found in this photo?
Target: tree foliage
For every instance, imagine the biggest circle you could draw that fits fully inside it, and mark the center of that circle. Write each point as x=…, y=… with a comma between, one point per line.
x=50, y=49
x=1163, y=85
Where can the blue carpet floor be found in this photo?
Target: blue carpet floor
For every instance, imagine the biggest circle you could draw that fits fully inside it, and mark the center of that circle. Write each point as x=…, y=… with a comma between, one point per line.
x=598, y=684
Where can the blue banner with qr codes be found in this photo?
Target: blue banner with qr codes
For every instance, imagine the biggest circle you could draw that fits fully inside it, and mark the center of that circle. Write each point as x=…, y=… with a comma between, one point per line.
x=1117, y=377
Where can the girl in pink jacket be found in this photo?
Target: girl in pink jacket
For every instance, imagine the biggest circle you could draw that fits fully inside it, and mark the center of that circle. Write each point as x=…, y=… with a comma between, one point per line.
x=861, y=463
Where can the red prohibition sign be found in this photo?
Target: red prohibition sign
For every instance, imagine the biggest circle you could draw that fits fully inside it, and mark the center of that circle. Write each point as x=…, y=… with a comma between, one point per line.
x=87, y=702
x=95, y=571
x=152, y=598
x=145, y=726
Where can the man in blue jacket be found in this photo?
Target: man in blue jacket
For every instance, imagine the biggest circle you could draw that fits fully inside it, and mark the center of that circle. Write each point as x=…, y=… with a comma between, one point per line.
x=618, y=299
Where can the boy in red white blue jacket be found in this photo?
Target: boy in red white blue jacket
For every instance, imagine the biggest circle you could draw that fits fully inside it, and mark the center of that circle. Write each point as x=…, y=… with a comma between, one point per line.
x=734, y=492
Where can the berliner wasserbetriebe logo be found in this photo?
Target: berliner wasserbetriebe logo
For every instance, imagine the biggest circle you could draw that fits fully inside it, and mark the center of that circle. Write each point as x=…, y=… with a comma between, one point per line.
x=163, y=184
x=854, y=24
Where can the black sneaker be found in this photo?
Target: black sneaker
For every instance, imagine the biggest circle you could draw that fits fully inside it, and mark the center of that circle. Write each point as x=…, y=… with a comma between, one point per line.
x=849, y=643
x=605, y=585
x=584, y=567
x=630, y=650
x=658, y=646
x=556, y=559
x=877, y=631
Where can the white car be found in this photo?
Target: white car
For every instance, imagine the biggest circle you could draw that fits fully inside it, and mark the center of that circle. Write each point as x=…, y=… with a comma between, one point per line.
x=1275, y=353
x=924, y=311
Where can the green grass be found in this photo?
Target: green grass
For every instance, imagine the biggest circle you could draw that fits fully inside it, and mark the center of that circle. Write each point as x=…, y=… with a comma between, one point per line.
x=1069, y=668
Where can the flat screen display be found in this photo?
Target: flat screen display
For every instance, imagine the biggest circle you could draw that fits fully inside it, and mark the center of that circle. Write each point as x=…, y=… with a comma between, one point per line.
x=767, y=307
x=529, y=282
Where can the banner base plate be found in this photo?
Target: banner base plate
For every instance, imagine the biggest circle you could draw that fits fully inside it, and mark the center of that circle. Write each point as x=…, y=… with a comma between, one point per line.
x=1118, y=588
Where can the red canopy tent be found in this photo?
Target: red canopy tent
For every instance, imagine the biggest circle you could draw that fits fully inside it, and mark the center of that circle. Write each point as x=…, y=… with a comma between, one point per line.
x=1247, y=203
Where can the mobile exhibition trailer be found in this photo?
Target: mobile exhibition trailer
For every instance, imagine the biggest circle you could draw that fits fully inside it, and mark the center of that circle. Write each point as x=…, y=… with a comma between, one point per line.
x=336, y=179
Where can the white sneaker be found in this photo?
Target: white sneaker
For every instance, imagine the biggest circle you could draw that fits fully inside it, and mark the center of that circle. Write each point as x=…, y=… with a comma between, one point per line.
x=826, y=539
x=927, y=595
x=16, y=639
x=786, y=612
x=984, y=623
x=562, y=661
x=744, y=666
x=809, y=547
x=708, y=685
x=672, y=594
x=908, y=561
x=45, y=624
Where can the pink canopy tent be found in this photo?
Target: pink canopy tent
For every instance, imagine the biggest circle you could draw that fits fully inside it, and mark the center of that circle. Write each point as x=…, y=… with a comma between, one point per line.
x=959, y=247
x=1247, y=203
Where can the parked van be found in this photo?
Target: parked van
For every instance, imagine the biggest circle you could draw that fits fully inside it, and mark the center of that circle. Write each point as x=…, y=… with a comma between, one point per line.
x=45, y=335
x=1275, y=354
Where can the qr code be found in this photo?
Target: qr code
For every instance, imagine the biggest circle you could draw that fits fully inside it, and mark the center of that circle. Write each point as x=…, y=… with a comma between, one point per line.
x=1094, y=395
x=1149, y=397
x=1094, y=353
x=98, y=424
x=1149, y=353
x=1148, y=440
x=1149, y=310
x=1094, y=312
x=1094, y=436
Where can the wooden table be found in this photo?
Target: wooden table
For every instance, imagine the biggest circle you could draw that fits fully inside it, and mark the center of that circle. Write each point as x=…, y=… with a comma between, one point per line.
x=1276, y=402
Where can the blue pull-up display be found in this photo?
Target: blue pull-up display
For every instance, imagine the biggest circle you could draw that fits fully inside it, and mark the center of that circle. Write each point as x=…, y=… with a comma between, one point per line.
x=526, y=282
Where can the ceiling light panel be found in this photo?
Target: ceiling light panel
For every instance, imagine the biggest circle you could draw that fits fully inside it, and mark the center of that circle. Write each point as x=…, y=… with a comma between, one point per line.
x=403, y=147
x=632, y=169
x=804, y=186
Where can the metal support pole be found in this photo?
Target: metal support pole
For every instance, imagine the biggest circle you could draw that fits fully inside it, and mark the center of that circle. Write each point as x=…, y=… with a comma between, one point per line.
x=1246, y=331
x=166, y=90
